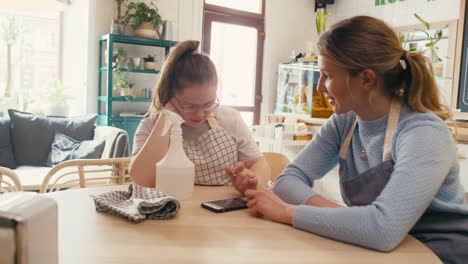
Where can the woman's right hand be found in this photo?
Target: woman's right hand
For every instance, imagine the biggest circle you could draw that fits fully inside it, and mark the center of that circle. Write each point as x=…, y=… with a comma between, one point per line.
x=269, y=205
x=169, y=106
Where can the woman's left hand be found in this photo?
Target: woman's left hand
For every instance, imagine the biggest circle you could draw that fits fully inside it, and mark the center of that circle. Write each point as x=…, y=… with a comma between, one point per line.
x=242, y=178
x=266, y=203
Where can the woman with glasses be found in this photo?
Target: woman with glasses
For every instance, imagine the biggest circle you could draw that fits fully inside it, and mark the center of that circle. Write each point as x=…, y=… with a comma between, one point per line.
x=398, y=167
x=216, y=139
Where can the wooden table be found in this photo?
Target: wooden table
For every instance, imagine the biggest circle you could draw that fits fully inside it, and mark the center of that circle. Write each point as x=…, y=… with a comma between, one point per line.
x=197, y=235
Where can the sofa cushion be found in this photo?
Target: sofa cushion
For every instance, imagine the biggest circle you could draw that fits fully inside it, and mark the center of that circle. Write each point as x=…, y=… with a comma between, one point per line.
x=66, y=148
x=32, y=135
x=7, y=159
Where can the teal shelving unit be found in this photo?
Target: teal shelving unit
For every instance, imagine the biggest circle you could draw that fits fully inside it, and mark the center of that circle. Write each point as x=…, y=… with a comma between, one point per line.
x=105, y=99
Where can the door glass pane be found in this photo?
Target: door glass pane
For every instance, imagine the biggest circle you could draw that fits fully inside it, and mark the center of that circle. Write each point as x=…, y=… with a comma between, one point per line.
x=234, y=52
x=253, y=6
x=248, y=118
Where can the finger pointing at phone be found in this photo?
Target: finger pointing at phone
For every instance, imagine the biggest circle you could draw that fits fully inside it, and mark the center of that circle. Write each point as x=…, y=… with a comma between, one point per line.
x=241, y=177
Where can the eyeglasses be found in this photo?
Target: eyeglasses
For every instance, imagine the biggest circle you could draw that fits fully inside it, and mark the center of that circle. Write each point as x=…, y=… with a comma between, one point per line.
x=190, y=108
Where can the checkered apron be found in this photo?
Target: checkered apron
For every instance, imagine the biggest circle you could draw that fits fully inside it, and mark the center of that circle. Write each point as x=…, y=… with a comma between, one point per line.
x=211, y=153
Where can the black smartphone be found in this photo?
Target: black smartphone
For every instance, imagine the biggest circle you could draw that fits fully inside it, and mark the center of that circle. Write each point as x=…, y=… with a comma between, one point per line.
x=226, y=205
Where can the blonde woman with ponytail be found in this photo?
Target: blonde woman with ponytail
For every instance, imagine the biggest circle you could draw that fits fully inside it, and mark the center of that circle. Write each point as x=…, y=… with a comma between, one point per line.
x=397, y=159
x=215, y=137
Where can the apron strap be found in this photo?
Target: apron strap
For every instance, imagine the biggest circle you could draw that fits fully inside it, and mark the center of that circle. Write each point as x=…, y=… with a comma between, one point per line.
x=212, y=121
x=347, y=141
x=392, y=124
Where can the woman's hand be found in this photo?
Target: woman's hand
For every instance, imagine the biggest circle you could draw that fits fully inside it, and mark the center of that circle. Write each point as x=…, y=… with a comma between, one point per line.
x=170, y=106
x=242, y=178
x=271, y=206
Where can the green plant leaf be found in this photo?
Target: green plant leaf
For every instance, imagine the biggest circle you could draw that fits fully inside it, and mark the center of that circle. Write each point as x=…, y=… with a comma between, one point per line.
x=422, y=21
x=138, y=13
x=320, y=19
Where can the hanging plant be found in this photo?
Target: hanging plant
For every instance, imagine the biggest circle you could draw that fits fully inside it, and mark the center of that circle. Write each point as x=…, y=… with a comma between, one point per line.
x=321, y=19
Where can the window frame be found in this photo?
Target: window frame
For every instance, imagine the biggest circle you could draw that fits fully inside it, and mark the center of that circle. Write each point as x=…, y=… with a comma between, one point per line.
x=215, y=13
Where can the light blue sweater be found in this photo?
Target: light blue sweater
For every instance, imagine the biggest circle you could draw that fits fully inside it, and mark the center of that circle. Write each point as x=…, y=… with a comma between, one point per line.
x=426, y=175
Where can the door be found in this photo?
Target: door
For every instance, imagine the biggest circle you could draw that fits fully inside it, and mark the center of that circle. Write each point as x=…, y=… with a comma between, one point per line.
x=234, y=40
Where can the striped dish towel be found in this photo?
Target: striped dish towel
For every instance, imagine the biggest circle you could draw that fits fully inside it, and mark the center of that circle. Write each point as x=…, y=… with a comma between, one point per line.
x=137, y=204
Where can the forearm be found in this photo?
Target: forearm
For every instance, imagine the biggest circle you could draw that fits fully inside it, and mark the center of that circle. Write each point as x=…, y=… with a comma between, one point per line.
x=143, y=164
x=319, y=201
x=365, y=226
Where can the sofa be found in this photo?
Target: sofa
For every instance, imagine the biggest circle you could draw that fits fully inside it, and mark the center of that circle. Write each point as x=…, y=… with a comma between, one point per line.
x=34, y=147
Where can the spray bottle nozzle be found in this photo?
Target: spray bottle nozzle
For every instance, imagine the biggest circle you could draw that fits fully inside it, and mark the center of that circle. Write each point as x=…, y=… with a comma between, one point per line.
x=176, y=120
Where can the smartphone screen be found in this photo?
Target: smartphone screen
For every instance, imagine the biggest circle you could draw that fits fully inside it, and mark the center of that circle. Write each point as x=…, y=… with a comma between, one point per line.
x=226, y=205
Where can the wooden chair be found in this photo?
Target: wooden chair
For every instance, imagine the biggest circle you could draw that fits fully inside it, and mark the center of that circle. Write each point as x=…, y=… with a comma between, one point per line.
x=9, y=181
x=84, y=173
x=277, y=163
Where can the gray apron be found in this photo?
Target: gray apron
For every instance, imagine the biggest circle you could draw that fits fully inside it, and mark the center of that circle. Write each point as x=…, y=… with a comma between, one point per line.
x=446, y=234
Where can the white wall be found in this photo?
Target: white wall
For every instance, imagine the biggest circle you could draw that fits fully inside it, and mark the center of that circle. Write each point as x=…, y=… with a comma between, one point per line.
x=75, y=53
x=288, y=28
x=102, y=12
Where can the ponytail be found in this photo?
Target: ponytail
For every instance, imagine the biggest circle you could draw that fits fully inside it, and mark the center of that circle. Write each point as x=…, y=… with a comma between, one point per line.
x=183, y=67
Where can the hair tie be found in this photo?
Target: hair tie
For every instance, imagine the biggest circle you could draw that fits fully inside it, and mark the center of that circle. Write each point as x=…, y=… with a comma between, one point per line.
x=403, y=60
x=403, y=64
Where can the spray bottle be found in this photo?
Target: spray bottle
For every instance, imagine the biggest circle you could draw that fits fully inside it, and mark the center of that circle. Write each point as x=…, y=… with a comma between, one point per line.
x=175, y=173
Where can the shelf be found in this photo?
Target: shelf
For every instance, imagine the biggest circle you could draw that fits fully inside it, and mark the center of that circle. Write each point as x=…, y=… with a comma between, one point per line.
x=283, y=142
x=438, y=77
x=104, y=119
x=130, y=99
x=137, y=40
x=301, y=66
x=105, y=101
x=124, y=99
x=103, y=69
x=126, y=118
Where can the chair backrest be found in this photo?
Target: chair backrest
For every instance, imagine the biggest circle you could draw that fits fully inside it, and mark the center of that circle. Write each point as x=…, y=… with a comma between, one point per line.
x=9, y=181
x=277, y=163
x=84, y=173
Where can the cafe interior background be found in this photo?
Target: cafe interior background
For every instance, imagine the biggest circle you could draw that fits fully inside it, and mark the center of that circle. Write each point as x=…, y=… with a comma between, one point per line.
x=52, y=63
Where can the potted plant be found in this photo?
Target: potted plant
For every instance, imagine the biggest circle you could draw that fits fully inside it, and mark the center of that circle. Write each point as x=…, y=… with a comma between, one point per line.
x=144, y=19
x=149, y=62
x=123, y=86
x=320, y=19
x=433, y=38
x=119, y=58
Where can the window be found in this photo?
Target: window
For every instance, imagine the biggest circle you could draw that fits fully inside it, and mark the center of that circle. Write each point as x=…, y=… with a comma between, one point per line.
x=29, y=61
x=233, y=36
x=253, y=6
